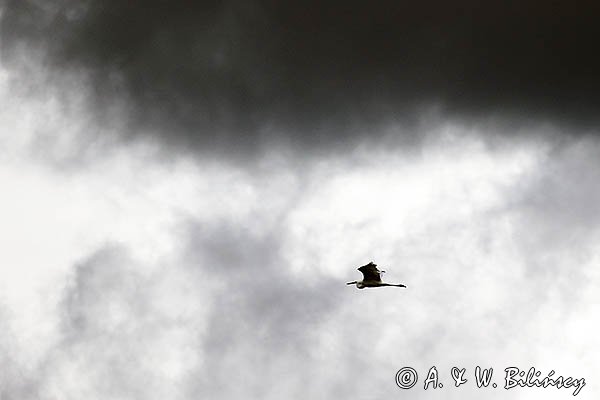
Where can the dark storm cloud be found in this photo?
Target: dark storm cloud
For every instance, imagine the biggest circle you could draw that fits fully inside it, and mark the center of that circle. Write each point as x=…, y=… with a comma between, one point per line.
x=236, y=74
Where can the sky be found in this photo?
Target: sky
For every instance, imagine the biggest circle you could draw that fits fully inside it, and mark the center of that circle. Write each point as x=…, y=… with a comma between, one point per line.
x=188, y=186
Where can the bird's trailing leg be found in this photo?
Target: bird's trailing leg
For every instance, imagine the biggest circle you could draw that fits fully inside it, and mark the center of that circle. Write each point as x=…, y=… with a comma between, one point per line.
x=393, y=284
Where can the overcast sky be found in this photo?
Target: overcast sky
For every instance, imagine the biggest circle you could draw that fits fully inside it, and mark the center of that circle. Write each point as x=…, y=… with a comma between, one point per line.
x=185, y=190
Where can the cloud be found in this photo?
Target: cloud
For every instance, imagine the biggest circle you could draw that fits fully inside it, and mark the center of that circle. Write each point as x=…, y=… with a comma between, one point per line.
x=238, y=76
x=262, y=312
x=122, y=329
x=220, y=279
x=454, y=145
x=555, y=217
x=177, y=329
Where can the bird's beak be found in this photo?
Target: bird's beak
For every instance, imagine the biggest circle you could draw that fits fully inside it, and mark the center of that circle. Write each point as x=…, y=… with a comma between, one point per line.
x=351, y=283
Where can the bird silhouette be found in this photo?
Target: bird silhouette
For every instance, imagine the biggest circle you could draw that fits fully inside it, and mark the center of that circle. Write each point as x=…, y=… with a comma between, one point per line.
x=372, y=277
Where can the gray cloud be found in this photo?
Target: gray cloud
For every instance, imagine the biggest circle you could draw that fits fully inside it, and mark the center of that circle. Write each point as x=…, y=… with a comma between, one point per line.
x=556, y=223
x=121, y=331
x=229, y=305
x=263, y=316
x=14, y=379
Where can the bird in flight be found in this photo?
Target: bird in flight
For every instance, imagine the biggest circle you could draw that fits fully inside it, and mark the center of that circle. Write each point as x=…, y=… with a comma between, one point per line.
x=372, y=277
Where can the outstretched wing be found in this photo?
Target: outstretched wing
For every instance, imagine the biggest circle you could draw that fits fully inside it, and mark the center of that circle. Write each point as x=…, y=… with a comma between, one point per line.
x=370, y=272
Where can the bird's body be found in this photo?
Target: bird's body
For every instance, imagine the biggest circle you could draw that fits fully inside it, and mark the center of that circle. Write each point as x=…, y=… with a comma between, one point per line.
x=372, y=277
